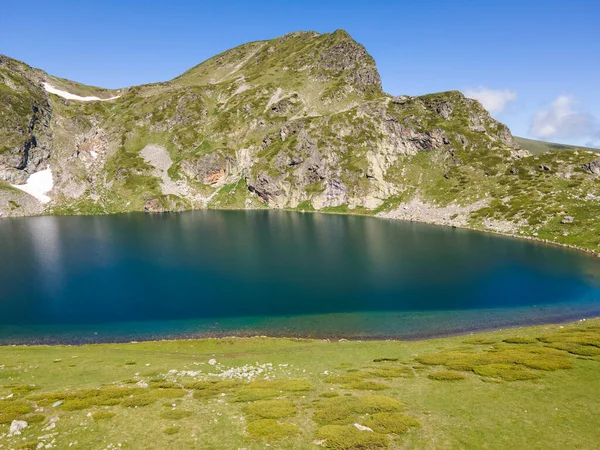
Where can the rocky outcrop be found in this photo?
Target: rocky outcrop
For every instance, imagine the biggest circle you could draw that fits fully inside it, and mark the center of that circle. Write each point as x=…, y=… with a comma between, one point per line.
x=348, y=56
x=593, y=167
x=298, y=120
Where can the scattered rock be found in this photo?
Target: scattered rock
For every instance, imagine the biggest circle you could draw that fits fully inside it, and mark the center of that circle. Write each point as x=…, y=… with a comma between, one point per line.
x=567, y=219
x=16, y=426
x=362, y=427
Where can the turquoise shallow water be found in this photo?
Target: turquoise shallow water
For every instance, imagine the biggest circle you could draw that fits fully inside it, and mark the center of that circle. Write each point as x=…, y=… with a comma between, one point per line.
x=137, y=276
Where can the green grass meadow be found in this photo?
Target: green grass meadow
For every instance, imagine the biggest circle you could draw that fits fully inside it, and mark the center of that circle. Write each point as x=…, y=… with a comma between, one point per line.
x=523, y=388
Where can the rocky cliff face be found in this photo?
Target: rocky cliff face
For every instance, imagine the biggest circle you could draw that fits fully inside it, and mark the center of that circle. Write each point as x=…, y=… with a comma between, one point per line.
x=297, y=122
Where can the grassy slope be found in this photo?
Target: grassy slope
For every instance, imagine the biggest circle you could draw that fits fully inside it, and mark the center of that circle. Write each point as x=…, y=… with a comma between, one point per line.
x=557, y=408
x=538, y=147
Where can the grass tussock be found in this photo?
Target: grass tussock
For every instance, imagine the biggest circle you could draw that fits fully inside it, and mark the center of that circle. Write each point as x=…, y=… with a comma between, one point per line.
x=575, y=348
x=348, y=437
x=13, y=409
x=208, y=389
x=577, y=341
x=520, y=340
x=171, y=430
x=86, y=398
x=167, y=393
x=329, y=394
x=365, y=385
x=532, y=357
x=446, y=375
x=350, y=377
x=479, y=341
x=138, y=401
x=391, y=423
x=270, y=430
x=391, y=372
x=270, y=409
x=377, y=360
x=252, y=394
x=161, y=383
x=23, y=389
x=345, y=410
x=507, y=372
x=102, y=415
x=35, y=418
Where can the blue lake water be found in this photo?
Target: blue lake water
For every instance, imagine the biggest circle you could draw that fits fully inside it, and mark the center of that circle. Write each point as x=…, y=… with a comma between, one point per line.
x=137, y=276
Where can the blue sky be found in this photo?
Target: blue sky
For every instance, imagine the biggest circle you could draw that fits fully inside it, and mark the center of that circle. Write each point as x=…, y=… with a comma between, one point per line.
x=534, y=64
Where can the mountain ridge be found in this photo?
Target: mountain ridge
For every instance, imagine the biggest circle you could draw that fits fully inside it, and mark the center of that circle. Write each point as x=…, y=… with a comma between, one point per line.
x=297, y=122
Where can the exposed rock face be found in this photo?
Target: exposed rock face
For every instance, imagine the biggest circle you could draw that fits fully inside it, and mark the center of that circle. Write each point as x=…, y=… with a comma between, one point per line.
x=347, y=55
x=593, y=167
x=299, y=121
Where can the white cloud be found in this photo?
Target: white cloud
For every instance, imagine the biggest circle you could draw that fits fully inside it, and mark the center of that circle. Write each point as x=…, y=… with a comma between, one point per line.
x=560, y=120
x=493, y=101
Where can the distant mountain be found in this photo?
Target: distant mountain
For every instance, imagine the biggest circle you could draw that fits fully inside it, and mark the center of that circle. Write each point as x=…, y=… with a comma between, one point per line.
x=537, y=147
x=298, y=122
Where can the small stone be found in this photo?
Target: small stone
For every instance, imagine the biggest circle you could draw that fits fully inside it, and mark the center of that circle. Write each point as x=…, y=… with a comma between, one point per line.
x=362, y=427
x=567, y=219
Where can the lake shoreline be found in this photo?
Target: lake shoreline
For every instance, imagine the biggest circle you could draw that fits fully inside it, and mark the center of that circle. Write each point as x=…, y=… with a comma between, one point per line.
x=174, y=337
x=589, y=251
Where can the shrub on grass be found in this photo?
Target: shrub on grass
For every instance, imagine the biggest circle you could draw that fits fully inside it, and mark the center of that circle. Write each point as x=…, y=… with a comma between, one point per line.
x=329, y=394
x=365, y=386
x=540, y=358
x=446, y=375
x=351, y=377
x=161, y=384
x=581, y=336
x=479, y=341
x=175, y=414
x=206, y=389
x=167, y=393
x=391, y=423
x=138, y=401
x=345, y=410
x=392, y=372
x=35, y=418
x=575, y=349
x=102, y=415
x=520, y=340
x=385, y=359
x=293, y=385
x=247, y=394
x=12, y=409
x=270, y=409
x=507, y=372
x=23, y=389
x=171, y=430
x=271, y=430
x=340, y=437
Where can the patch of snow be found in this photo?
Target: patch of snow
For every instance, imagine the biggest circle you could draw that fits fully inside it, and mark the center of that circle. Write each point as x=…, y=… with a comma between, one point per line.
x=69, y=96
x=38, y=185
